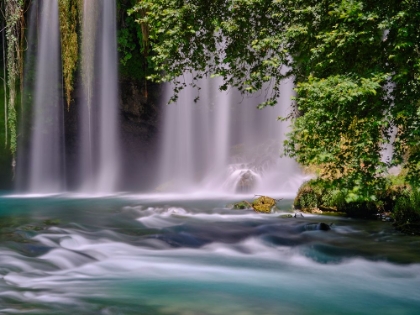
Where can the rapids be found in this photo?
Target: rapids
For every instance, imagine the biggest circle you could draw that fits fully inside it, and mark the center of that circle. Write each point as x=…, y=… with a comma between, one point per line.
x=131, y=254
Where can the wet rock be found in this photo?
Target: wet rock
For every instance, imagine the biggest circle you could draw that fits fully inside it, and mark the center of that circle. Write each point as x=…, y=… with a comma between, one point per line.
x=264, y=204
x=317, y=227
x=240, y=205
x=246, y=182
x=385, y=217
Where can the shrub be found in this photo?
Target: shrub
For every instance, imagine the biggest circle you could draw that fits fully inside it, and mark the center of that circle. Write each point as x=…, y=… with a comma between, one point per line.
x=309, y=195
x=407, y=207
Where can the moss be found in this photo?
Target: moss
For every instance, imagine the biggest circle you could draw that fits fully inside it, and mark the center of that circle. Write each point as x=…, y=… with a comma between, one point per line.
x=240, y=205
x=309, y=196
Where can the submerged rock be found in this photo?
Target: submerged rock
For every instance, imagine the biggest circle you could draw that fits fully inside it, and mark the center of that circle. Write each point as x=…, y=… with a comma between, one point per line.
x=317, y=227
x=246, y=182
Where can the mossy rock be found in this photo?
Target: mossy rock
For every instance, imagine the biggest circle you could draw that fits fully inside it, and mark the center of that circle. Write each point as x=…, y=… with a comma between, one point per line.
x=264, y=204
x=308, y=196
x=240, y=205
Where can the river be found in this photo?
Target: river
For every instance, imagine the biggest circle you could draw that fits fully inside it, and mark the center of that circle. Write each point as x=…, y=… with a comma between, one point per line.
x=150, y=254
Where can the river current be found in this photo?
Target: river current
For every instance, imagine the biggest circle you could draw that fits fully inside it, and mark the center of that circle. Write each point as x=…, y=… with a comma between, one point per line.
x=152, y=255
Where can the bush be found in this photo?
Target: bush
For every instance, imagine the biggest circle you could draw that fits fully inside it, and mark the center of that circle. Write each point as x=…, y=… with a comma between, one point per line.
x=309, y=195
x=407, y=207
x=397, y=198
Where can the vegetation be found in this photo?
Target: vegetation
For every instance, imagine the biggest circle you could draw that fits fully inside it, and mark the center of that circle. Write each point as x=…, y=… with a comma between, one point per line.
x=398, y=201
x=262, y=204
x=132, y=44
x=133, y=58
x=13, y=15
x=69, y=18
x=356, y=66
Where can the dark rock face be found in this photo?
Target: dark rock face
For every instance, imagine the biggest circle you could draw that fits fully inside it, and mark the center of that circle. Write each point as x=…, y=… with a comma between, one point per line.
x=140, y=121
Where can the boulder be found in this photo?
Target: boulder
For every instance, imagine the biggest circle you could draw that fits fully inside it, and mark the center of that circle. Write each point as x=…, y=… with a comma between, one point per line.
x=246, y=181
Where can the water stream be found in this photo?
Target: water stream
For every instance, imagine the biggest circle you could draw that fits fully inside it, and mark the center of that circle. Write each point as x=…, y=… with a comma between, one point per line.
x=46, y=163
x=140, y=254
x=99, y=155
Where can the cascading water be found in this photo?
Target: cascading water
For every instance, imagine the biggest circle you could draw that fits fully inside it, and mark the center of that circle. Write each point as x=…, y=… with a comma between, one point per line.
x=108, y=161
x=196, y=137
x=90, y=10
x=223, y=144
x=46, y=156
x=99, y=124
x=98, y=162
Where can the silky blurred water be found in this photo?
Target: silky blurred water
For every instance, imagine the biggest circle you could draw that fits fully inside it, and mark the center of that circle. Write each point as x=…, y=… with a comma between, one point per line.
x=153, y=255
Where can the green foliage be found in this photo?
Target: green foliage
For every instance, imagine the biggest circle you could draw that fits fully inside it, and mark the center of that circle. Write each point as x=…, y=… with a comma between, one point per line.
x=347, y=146
x=356, y=65
x=240, y=205
x=407, y=207
x=215, y=38
x=397, y=198
x=13, y=14
x=5, y=154
x=69, y=18
x=308, y=196
x=133, y=48
x=404, y=59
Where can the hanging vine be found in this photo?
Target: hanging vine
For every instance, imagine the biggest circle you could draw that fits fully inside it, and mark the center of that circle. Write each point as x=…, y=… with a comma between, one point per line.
x=69, y=17
x=13, y=16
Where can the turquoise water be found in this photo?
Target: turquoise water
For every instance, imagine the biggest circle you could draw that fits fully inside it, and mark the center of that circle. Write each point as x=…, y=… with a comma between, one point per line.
x=153, y=255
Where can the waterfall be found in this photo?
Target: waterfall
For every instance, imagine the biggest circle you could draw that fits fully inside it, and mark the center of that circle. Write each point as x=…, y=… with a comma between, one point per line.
x=108, y=102
x=46, y=155
x=222, y=143
x=43, y=169
x=86, y=162
x=99, y=159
